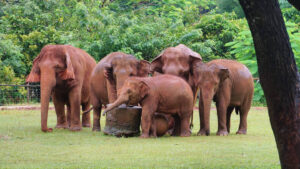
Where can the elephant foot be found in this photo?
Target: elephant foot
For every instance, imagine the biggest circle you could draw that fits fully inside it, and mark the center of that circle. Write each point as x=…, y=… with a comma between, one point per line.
x=203, y=132
x=185, y=134
x=75, y=128
x=96, y=129
x=153, y=136
x=144, y=136
x=222, y=133
x=88, y=125
x=241, y=132
x=62, y=126
x=47, y=130
x=169, y=132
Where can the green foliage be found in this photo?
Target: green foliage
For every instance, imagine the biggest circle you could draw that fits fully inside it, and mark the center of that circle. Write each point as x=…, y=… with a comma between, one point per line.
x=139, y=27
x=217, y=31
x=230, y=6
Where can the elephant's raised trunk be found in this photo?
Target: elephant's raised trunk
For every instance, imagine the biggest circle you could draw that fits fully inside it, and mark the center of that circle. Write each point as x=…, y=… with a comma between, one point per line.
x=47, y=84
x=122, y=99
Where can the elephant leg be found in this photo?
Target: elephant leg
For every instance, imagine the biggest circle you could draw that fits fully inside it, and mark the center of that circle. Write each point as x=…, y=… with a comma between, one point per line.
x=86, y=119
x=153, y=128
x=177, y=126
x=221, y=111
x=243, y=118
x=228, y=116
x=68, y=115
x=74, y=97
x=185, y=126
x=59, y=106
x=147, y=116
x=97, y=107
x=204, y=115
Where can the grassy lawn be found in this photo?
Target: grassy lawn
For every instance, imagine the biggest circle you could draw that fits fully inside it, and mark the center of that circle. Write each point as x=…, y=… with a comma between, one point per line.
x=23, y=145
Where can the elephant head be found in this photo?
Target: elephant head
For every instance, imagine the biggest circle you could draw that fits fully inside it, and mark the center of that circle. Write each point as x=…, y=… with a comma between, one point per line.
x=131, y=93
x=208, y=78
x=124, y=66
x=177, y=61
x=52, y=66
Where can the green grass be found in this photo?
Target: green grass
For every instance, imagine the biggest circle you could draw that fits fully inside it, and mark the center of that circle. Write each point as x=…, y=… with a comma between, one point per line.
x=23, y=145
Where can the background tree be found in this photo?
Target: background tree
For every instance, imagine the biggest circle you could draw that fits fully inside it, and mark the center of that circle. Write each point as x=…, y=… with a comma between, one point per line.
x=278, y=75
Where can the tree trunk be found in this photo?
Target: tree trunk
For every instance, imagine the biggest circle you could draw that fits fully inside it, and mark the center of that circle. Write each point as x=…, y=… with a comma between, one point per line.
x=278, y=76
x=295, y=3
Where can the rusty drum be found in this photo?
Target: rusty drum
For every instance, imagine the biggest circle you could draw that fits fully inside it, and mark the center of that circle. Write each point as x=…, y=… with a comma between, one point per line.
x=123, y=121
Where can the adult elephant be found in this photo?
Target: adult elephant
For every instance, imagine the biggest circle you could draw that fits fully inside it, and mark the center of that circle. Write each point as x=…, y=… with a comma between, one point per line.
x=178, y=61
x=108, y=77
x=64, y=72
x=230, y=84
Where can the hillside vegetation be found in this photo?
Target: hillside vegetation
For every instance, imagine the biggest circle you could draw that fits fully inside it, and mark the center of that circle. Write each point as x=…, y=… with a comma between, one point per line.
x=215, y=29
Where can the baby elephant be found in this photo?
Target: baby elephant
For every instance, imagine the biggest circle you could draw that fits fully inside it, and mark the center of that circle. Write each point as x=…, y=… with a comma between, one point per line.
x=165, y=94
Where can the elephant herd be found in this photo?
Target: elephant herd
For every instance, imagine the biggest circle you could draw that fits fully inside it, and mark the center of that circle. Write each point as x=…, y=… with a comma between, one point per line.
x=72, y=78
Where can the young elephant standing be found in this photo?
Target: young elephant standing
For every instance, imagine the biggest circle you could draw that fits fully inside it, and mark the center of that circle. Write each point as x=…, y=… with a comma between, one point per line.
x=165, y=94
x=230, y=85
x=108, y=77
x=65, y=72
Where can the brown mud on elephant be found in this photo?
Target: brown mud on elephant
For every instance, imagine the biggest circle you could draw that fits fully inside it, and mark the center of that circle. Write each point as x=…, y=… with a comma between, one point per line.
x=178, y=61
x=228, y=83
x=64, y=72
x=109, y=76
x=158, y=94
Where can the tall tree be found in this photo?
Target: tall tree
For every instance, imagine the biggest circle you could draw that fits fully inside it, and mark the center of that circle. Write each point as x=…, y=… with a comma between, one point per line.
x=278, y=75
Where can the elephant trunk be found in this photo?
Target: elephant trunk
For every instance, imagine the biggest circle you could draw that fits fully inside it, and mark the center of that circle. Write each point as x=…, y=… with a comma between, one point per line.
x=120, y=81
x=47, y=84
x=121, y=100
x=205, y=102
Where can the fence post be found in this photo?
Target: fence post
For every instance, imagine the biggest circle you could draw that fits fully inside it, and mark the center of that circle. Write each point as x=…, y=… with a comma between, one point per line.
x=28, y=93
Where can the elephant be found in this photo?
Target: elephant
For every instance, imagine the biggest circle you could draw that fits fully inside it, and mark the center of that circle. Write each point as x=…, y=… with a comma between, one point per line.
x=178, y=61
x=229, y=84
x=158, y=94
x=108, y=77
x=65, y=73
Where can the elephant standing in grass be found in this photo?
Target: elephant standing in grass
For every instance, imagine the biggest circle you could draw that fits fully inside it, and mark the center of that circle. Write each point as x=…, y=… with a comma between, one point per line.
x=178, y=61
x=65, y=73
x=109, y=76
x=230, y=84
x=165, y=94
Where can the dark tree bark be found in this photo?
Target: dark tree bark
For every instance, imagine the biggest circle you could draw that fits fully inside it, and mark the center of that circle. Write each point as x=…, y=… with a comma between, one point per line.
x=278, y=76
x=295, y=3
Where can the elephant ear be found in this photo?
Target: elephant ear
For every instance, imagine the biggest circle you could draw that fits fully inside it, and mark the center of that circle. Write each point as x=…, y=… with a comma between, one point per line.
x=68, y=73
x=108, y=72
x=143, y=68
x=35, y=74
x=156, y=64
x=144, y=89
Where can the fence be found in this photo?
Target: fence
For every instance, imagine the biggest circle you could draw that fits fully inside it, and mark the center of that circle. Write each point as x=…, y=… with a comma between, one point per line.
x=25, y=94
x=19, y=94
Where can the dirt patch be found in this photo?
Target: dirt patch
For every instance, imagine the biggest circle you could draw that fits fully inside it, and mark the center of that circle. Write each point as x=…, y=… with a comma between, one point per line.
x=4, y=137
x=23, y=107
